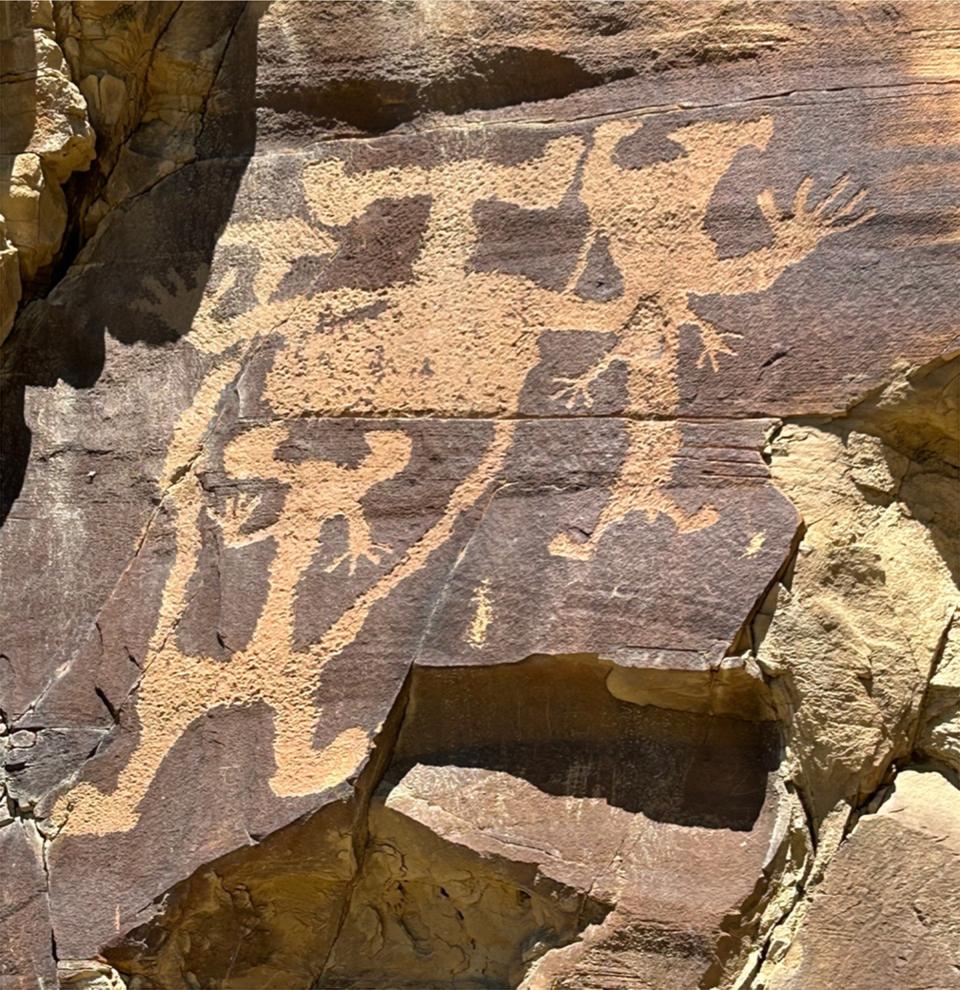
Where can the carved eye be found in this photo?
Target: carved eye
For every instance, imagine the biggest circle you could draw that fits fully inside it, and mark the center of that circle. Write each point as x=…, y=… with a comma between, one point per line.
x=376, y=249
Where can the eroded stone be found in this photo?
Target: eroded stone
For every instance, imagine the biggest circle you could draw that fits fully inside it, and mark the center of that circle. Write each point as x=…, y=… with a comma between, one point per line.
x=543, y=379
x=889, y=905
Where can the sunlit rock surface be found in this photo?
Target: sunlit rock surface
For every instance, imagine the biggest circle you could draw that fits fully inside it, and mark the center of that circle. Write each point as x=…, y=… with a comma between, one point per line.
x=480, y=499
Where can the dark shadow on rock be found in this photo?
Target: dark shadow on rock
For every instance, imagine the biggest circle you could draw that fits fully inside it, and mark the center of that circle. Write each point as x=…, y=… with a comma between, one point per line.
x=141, y=278
x=552, y=721
x=490, y=79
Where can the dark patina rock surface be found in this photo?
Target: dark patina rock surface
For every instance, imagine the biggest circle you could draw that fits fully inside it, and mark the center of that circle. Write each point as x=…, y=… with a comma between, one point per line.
x=473, y=495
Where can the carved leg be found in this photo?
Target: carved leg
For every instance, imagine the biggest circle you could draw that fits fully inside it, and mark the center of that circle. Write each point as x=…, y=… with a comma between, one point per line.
x=302, y=768
x=175, y=690
x=575, y=392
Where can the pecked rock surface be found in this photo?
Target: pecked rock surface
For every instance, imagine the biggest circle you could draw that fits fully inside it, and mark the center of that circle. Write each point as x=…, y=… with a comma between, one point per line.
x=480, y=495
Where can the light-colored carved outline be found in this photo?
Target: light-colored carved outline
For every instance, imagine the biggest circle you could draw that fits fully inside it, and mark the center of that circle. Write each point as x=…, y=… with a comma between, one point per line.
x=652, y=221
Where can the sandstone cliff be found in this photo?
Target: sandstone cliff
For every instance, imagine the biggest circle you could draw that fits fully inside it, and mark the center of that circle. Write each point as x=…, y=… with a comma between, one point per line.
x=480, y=495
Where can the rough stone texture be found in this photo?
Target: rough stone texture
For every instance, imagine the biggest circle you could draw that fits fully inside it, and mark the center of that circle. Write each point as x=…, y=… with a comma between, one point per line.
x=88, y=974
x=854, y=641
x=149, y=74
x=480, y=495
x=888, y=910
x=26, y=959
x=46, y=136
x=940, y=733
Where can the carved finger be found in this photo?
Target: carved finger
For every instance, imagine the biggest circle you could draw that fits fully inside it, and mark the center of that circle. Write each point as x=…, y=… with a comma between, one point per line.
x=849, y=207
x=866, y=215
x=714, y=343
x=713, y=356
x=713, y=353
x=832, y=198
x=801, y=197
x=569, y=392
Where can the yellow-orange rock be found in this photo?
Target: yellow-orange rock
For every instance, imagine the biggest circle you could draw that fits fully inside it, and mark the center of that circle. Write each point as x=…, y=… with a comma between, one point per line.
x=46, y=136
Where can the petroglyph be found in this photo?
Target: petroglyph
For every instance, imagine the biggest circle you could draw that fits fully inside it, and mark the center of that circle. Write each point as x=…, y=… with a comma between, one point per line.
x=479, y=330
x=176, y=688
x=438, y=333
x=480, y=486
x=317, y=491
x=482, y=616
x=640, y=487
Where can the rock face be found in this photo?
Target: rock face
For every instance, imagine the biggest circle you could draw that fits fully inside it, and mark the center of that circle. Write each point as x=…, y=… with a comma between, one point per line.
x=480, y=495
x=889, y=908
x=46, y=137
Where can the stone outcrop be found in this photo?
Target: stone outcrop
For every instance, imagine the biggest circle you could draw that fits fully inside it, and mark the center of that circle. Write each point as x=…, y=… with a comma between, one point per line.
x=46, y=136
x=480, y=495
x=888, y=910
x=148, y=73
x=940, y=733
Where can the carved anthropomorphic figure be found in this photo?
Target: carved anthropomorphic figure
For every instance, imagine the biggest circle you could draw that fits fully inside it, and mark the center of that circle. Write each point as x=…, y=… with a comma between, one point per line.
x=177, y=688
x=441, y=331
x=453, y=339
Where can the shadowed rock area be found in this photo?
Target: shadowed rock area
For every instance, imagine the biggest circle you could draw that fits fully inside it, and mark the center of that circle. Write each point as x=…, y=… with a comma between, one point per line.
x=480, y=495
x=523, y=808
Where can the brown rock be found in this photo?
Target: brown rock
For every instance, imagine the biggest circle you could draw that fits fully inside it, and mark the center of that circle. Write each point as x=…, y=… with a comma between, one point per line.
x=888, y=910
x=25, y=936
x=661, y=821
x=480, y=487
